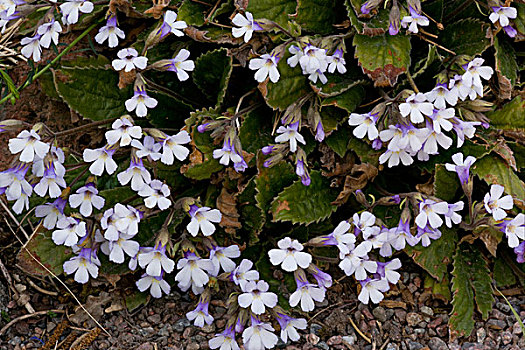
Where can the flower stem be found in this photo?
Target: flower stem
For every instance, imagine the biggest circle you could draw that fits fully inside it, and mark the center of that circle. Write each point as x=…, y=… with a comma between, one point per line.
x=55, y=60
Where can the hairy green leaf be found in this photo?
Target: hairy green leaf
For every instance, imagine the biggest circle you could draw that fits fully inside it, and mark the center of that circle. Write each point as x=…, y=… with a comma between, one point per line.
x=466, y=37
x=316, y=16
x=349, y=100
x=212, y=74
x=270, y=181
x=506, y=66
x=510, y=116
x=446, y=183
x=256, y=130
x=203, y=170
x=192, y=13
x=384, y=57
x=274, y=10
x=43, y=249
x=502, y=274
x=305, y=204
x=252, y=217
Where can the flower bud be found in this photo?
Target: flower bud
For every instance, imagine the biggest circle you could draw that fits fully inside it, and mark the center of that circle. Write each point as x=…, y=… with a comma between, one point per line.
x=369, y=6
x=394, y=19
x=10, y=124
x=361, y=198
x=416, y=5
x=270, y=162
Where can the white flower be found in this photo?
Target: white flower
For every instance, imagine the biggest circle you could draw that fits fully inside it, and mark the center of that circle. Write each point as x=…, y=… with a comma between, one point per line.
x=28, y=142
x=259, y=336
x=137, y=173
x=371, y=290
x=515, y=230
x=440, y=95
x=297, y=53
x=413, y=21
x=123, y=130
x=55, y=158
x=49, y=32
x=266, y=65
x=363, y=223
x=474, y=72
x=200, y=315
x=140, y=102
x=201, y=220
x=31, y=47
x=171, y=23
x=502, y=14
x=156, y=285
x=86, y=198
x=458, y=87
x=428, y=213
x=116, y=249
x=387, y=270
x=290, y=255
x=156, y=261
x=451, y=216
x=337, y=61
x=495, y=204
x=227, y=153
x=101, y=158
x=433, y=139
x=224, y=340
x=247, y=26
x=220, y=257
x=51, y=212
x=341, y=237
x=150, y=148
x=171, y=146
x=110, y=32
x=192, y=272
x=318, y=74
x=356, y=261
x=83, y=265
x=416, y=106
x=393, y=157
x=290, y=134
x=156, y=194
x=50, y=182
x=22, y=202
x=366, y=125
x=70, y=10
x=120, y=219
x=180, y=65
x=129, y=60
x=242, y=273
x=288, y=327
x=440, y=119
x=257, y=297
x=460, y=166
x=313, y=59
x=306, y=293
x=69, y=230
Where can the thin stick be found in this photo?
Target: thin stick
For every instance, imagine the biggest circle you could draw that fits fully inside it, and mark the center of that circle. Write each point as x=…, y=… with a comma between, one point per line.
x=23, y=317
x=359, y=331
x=436, y=44
x=53, y=274
x=212, y=11
x=83, y=127
x=411, y=81
x=40, y=289
x=14, y=219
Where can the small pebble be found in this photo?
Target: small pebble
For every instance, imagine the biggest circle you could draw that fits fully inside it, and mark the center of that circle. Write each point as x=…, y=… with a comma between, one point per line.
x=413, y=319
x=349, y=340
x=481, y=334
x=414, y=345
x=436, y=343
x=379, y=313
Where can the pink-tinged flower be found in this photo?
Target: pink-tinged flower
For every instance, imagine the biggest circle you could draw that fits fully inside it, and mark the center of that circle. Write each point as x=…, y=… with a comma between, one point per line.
x=461, y=167
x=70, y=10
x=123, y=131
x=69, y=230
x=201, y=315
x=83, y=265
x=102, y=160
x=156, y=261
x=265, y=65
x=514, y=229
x=220, y=257
x=426, y=234
x=192, y=272
x=371, y=290
x=110, y=32
x=289, y=326
x=156, y=194
x=290, y=134
x=242, y=274
x=51, y=212
x=224, y=340
x=503, y=14
x=129, y=59
x=155, y=284
x=414, y=20
x=387, y=270
x=495, y=204
x=136, y=173
x=49, y=32
x=289, y=255
x=416, y=106
x=366, y=125
x=150, y=148
x=306, y=293
x=115, y=250
x=28, y=144
x=171, y=25
x=202, y=220
x=86, y=198
x=247, y=26
x=428, y=213
x=257, y=297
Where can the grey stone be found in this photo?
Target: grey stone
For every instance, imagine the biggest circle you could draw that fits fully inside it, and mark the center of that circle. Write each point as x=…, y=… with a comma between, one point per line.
x=322, y=345
x=503, y=307
x=481, y=334
x=208, y=328
x=349, y=340
x=414, y=345
x=413, y=319
x=154, y=318
x=496, y=324
x=506, y=338
x=437, y=344
x=392, y=346
x=315, y=328
x=181, y=324
x=379, y=313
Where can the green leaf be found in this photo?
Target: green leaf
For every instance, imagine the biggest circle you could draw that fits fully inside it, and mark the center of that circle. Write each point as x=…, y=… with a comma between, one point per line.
x=317, y=16
x=136, y=300
x=252, y=217
x=305, y=204
x=256, y=130
x=270, y=181
x=510, y=116
x=506, y=66
x=384, y=57
x=349, y=100
x=116, y=195
x=192, y=13
x=274, y=10
x=471, y=283
x=338, y=140
x=92, y=91
x=502, y=273
x=168, y=112
x=212, y=74
x=339, y=83
x=364, y=151
x=203, y=170
x=291, y=85
x=495, y=170
x=42, y=247
x=440, y=290
x=436, y=257
x=466, y=37
x=446, y=183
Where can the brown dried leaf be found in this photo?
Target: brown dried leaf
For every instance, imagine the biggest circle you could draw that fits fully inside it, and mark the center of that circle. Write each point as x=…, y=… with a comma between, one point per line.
x=392, y=304
x=426, y=188
x=226, y=203
x=126, y=78
x=94, y=305
x=503, y=149
x=361, y=174
x=158, y=8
